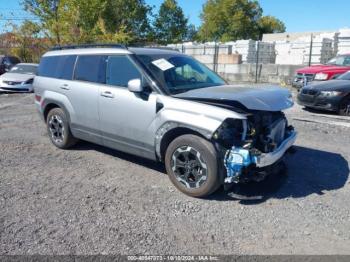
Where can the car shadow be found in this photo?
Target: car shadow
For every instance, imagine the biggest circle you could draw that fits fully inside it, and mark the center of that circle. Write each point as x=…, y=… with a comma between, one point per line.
x=309, y=171
x=83, y=145
x=318, y=111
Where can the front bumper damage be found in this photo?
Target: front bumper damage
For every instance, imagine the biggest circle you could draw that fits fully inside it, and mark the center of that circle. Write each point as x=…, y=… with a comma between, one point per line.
x=245, y=165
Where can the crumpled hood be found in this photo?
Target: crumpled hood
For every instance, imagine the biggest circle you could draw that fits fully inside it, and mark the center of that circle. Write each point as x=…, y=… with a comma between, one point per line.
x=16, y=77
x=265, y=98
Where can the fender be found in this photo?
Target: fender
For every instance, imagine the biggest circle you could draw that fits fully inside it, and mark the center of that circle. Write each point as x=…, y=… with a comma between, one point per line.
x=201, y=118
x=62, y=101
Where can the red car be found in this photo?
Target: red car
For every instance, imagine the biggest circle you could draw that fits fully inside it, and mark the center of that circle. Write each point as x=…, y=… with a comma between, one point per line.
x=331, y=70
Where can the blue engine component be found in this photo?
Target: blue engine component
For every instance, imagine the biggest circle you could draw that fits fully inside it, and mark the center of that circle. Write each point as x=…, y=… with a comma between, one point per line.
x=235, y=160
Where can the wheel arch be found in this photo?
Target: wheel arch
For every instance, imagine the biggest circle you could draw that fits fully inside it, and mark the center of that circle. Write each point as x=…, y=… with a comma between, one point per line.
x=50, y=104
x=48, y=108
x=344, y=99
x=163, y=139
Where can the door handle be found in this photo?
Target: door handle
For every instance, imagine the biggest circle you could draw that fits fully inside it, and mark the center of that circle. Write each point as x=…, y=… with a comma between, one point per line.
x=107, y=94
x=64, y=87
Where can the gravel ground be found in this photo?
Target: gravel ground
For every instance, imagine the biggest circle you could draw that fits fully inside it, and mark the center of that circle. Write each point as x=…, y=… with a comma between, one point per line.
x=93, y=200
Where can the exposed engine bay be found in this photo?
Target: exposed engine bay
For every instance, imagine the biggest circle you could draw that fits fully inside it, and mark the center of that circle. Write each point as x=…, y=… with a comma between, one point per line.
x=250, y=148
x=244, y=143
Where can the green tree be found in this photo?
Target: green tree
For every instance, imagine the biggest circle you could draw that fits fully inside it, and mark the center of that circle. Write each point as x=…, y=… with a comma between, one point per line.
x=170, y=25
x=76, y=21
x=129, y=18
x=192, y=33
x=227, y=20
x=27, y=43
x=270, y=24
x=48, y=13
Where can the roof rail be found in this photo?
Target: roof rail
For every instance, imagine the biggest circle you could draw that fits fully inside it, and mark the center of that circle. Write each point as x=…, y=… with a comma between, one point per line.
x=162, y=48
x=57, y=47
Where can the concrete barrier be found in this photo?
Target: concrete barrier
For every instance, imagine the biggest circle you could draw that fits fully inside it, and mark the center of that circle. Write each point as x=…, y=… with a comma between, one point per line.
x=229, y=59
x=267, y=73
x=205, y=59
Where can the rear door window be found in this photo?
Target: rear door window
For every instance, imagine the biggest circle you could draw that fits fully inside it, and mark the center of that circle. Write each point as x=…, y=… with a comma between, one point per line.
x=91, y=68
x=57, y=67
x=120, y=70
x=65, y=67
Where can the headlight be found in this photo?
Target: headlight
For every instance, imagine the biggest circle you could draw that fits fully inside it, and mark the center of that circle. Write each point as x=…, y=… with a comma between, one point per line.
x=330, y=93
x=321, y=76
x=30, y=81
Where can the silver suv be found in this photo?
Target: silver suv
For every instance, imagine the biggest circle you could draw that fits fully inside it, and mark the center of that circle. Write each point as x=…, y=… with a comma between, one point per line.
x=165, y=106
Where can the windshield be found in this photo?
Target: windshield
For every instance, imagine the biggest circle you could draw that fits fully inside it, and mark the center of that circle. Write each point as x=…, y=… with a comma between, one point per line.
x=24, y=69
x=341, y=60
x=178, y=73
x=345, y=76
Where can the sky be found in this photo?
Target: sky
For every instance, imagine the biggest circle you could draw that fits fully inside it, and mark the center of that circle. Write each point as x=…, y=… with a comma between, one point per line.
x=298, y=15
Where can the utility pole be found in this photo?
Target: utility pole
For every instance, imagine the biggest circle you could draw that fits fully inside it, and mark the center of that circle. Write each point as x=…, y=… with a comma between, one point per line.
x=257, y=61
x=311, y=44
x=216, y=56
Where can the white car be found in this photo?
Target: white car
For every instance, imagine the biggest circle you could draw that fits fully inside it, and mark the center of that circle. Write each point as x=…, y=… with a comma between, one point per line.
x=19, y=78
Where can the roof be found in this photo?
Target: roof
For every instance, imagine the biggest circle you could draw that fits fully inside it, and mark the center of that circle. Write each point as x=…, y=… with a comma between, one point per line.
x=111, y=50
x=152, y=50
x=88, y=51
x=29, y=64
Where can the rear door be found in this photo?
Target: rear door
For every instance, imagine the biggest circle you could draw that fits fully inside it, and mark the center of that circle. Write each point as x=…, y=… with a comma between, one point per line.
x=126, y=117
x=83, y=93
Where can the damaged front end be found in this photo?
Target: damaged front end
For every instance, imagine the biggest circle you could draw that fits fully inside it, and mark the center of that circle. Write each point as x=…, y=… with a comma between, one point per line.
x=252, y=148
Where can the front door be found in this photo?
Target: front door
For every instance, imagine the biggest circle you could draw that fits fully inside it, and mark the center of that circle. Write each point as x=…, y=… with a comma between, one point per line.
x=126, y=117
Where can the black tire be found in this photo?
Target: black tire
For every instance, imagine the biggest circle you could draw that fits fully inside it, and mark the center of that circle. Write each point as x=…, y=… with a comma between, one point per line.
x=203, y=162
x=58, y=129
x=344, y=107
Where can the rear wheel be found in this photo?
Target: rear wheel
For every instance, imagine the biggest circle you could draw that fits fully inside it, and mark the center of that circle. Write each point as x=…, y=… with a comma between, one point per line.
x=58, y=129
x=344, y=108
x=191, y=163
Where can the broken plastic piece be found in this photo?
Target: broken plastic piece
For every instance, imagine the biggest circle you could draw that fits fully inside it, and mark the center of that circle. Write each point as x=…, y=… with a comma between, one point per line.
x=235, y=160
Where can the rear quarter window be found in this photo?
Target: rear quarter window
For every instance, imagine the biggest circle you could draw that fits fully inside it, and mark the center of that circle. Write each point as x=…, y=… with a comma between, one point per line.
x=57, y=66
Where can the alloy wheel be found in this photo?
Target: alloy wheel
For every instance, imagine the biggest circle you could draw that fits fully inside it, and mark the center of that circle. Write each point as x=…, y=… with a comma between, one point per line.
x=188, y=167
x=56, y=128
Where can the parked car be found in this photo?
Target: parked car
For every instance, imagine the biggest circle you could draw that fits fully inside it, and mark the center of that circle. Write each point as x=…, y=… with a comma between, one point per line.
x=332, y=95
x=331, y=70
x=165, y=106
x=19, y=79
x=7, y=62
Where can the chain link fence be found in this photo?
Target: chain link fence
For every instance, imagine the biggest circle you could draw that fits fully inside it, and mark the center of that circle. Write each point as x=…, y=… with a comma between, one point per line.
x=262, y=56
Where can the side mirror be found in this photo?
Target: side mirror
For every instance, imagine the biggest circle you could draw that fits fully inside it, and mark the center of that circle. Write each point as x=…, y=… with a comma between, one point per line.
x=135, y=86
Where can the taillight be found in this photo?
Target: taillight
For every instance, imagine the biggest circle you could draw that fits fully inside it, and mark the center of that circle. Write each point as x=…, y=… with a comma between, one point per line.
x=37, y=98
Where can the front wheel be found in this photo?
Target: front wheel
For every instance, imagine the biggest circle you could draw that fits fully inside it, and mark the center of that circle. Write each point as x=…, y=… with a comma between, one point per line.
x=344, y=108
x=192, y=165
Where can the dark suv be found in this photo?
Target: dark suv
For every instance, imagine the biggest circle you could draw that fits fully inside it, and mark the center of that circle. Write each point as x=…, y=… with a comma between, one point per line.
x=7, y=62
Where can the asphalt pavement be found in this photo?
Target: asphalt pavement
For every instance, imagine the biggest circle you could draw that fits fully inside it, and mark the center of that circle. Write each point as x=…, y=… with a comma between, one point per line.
x=94, y=200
